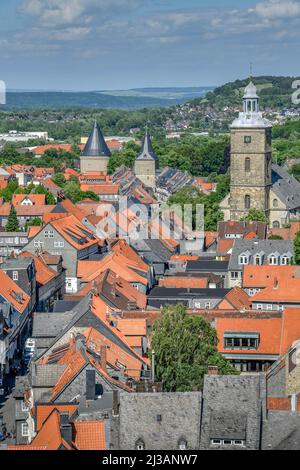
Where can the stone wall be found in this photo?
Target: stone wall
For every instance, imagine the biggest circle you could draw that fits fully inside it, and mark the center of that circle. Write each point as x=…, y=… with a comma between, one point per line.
x=94, y=164
x=160, y=420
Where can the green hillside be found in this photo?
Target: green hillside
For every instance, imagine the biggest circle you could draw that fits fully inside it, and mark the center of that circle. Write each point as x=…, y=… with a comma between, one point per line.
x=275, y=93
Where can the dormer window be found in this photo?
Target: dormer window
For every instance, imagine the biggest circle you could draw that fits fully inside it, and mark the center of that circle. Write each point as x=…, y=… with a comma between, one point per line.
x=273, y=260
x=258, y=260
x=285, y=260
x=244, y=259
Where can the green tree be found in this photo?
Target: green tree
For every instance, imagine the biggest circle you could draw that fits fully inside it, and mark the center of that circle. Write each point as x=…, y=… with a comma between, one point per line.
x=275, y=237
x=255, y=215
x=12, y=221
x=7, y=193
x=35, y=222
x=50, y=199
x=297, y=249
x=59, y=179
x=184, y=347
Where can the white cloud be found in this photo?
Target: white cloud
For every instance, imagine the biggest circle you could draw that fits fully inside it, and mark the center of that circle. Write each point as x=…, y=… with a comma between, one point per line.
x=278, y=9
x=60, y=12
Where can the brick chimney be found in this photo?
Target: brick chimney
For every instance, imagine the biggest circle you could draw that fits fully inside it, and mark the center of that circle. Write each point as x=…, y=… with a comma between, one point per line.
x=103, y=358
x=213, y=370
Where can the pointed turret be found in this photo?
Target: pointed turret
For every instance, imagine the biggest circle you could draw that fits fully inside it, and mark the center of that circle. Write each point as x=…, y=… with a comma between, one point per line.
x=96, y=145
x=147, y=151
x=147, y=163
x=96, y=153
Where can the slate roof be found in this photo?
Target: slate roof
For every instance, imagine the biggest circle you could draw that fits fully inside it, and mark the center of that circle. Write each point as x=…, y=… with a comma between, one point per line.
x=286, y=187
x=254, y=247
x=207, y=266
x=46, y=375
x=147, y=151
x=96, y=145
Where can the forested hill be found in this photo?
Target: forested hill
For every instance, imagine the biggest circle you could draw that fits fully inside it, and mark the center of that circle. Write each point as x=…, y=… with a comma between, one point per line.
x=275, y=93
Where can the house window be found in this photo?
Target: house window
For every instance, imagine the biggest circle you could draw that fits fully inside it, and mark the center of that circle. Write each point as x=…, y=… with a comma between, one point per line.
x=241, y=340
x=38, y=244
x=216, y=442
x=207, y=305
x=243, y=259
x=15, y=275
x=259, y=307
x=25, y=430
x=269, y=307
x=273, y=260
x=59, y=244
x=247, y=164
x=24, y=406
x=276, y=224
x=49, y=234
x=247, y=201
x=285, y=260
x=234, y=275
x=247, y=139
x=140, y=445
x=257, y=260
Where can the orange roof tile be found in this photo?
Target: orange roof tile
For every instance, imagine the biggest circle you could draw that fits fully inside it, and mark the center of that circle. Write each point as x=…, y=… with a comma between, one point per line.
x=101, y=189
x=70, y=227
x=42, y=412
x=237, y=298
x=36, y=199
x=89, y=435
x=13, y=293
x=33, y=231
x=184, y=282
x=44, y=273
x=43, y=148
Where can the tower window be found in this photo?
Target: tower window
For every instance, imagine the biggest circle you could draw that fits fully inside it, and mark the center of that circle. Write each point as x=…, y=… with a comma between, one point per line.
x=247, y=201
x=275, y=202
x=247, y=139
x=247, y=164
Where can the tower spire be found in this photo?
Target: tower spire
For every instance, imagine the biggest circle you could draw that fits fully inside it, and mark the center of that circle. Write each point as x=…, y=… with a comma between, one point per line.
x=96, y=145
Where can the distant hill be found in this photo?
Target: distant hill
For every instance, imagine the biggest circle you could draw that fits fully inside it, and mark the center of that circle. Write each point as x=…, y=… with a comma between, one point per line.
x=274, y=92
x=119, y=99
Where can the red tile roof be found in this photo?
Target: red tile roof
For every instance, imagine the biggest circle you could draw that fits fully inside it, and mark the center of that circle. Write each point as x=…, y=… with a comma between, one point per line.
x=44, y=273
x=13, y=293
x=36, y=199
x=89, y=435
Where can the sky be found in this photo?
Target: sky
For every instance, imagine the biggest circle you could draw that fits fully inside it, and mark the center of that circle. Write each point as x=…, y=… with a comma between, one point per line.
x=121, y=44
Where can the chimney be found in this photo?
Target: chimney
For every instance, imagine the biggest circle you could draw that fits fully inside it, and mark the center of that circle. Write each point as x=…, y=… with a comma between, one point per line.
x=103, y=358
x=116, y=404
x=213, y=370
x=66, y=428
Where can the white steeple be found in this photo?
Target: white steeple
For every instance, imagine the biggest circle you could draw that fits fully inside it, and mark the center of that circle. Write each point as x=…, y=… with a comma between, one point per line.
x=250, y=99
x=251, y=115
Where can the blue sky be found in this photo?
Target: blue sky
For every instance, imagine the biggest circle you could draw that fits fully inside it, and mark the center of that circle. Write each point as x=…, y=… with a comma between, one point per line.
x=117, y=44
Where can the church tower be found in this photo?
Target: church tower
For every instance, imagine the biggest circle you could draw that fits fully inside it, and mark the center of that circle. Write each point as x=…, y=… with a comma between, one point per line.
x=251, y=159
x=96, y=154
x=147, y=163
